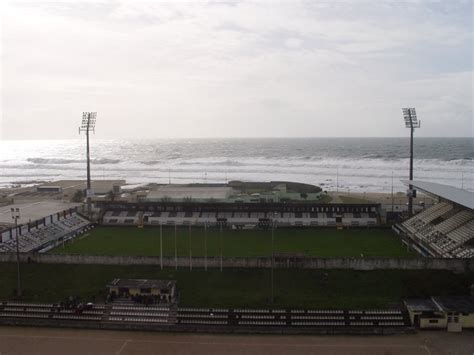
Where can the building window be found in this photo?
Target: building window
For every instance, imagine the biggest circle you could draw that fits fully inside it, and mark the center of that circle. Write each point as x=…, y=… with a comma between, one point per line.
x=433, y=321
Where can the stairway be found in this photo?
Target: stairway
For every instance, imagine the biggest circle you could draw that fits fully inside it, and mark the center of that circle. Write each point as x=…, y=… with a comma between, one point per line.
x=106, y=314
x=173, y=314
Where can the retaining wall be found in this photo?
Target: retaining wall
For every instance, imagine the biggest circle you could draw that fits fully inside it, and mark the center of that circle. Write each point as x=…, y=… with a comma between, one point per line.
x=456, y=265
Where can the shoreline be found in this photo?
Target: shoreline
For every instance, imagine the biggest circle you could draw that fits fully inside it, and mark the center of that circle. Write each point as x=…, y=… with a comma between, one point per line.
x=383, y=197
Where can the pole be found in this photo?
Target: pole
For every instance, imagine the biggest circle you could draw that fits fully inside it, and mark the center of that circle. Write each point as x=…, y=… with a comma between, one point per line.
x=89, y=207
x=220, y=223
x=190, y=252
x=18, y=286
x=161, y=246
x=271, y=274
x=175, y=248
x=205, y=246
x=410, y=187
x=392, y=190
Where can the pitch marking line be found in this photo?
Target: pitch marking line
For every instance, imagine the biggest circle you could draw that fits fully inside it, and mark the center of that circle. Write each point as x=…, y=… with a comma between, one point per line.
x=123, y=346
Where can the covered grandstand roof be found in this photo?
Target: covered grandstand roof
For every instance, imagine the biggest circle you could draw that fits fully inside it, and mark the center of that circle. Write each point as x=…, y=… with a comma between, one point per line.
x=447, y=192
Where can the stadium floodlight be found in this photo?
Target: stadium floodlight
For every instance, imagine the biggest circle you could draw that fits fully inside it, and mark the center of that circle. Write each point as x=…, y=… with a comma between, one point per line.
x=15, y=216
x=412, y=122
x=88, y=125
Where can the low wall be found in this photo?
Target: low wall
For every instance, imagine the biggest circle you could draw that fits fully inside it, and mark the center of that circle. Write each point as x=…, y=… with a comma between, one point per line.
x=180, y=328
x=456, y=265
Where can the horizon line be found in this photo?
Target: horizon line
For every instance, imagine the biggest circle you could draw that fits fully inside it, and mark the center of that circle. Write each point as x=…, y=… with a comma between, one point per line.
x=233, y=137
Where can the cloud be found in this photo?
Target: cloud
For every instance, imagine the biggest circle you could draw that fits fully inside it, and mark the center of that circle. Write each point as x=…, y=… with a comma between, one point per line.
x=176, y=69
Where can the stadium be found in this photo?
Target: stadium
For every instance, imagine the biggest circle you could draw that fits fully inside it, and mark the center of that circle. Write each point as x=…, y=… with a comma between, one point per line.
x=337, y=266
x=184, y=216
x=244, y=222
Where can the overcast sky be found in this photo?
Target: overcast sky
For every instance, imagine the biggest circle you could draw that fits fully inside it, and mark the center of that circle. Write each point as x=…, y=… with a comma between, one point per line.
x=236, y=69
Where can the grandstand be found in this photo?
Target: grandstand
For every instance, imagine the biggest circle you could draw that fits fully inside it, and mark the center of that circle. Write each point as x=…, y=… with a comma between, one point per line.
x=44, y=234
x=447, y=228
x=182, y=318
x=240, y=215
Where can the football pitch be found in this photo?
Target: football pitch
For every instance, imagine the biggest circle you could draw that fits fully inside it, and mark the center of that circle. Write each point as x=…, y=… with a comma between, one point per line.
x=251, y=243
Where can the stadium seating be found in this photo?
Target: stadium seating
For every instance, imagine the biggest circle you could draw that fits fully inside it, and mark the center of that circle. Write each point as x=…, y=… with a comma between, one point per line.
x=442, y=230
x=240, y=218
x=50, y=311
x=39, y=238
x=139, y=313
x=171, y=315
x=122, y=217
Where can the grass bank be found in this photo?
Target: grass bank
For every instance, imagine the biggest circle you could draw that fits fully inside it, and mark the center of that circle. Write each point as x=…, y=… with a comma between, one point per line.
x=238, y=287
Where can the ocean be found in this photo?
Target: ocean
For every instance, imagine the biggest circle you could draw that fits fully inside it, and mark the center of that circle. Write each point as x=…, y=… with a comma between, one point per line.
x=346, y=164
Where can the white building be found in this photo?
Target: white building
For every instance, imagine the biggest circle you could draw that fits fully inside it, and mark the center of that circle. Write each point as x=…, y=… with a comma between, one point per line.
x=193, y=193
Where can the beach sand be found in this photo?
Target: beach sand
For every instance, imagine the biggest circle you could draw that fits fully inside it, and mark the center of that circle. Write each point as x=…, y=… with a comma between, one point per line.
x=399, y=198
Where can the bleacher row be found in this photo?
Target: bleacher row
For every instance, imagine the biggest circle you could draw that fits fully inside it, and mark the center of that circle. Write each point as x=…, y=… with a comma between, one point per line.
x=302, y=318
x=49, y=311
x=239, y=218
x=38, y=238
x=443, y=230
x=208, y=316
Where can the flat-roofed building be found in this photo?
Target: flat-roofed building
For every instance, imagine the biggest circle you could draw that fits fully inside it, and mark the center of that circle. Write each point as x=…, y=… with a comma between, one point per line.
x=49, y=188
x=453, y=313
x=424, y=313
x=162, y=290
x=194, y=193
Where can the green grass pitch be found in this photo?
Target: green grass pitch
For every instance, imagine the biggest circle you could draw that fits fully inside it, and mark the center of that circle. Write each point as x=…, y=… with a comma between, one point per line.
x=294, y=288
x=311, y=242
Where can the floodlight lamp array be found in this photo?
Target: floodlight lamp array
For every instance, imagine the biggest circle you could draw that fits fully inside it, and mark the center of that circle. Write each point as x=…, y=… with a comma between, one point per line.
x=409, y=115
x=88, y=121
x=15, y=212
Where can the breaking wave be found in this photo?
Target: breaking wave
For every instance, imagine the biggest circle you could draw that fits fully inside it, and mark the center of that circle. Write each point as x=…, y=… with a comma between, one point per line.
x=70, y=161
x=361, y=164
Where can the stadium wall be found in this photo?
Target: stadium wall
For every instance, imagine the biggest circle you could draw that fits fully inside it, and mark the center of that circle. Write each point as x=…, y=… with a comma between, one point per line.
x=193, y=328
x=455, y=265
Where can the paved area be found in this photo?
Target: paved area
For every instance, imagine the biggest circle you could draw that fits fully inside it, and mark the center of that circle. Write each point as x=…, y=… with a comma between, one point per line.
x=18, y=340
x=31, y=211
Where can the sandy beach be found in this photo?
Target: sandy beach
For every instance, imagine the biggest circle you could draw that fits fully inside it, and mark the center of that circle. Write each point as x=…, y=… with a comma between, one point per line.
x=399, y=198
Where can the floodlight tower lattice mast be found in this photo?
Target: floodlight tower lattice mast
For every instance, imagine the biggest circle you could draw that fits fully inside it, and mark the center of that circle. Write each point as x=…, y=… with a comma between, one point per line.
x=88, y=125
x=412, y=122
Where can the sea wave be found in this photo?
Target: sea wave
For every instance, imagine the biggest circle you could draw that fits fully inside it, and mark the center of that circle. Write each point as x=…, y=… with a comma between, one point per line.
x=71, y=161
x=357, y=163
x=227, y=162
x=151, y=162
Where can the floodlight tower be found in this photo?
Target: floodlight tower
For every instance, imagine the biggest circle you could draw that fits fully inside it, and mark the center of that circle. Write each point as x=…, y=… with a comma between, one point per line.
x=88, y=124
x=15, y=216
x=412, y=122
